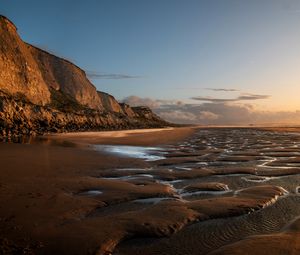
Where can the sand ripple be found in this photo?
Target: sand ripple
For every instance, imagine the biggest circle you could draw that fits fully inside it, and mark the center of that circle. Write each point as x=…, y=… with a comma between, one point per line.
x=223, y=170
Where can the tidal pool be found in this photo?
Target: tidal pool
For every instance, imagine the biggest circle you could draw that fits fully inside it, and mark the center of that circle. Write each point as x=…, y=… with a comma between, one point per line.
x=147, y=153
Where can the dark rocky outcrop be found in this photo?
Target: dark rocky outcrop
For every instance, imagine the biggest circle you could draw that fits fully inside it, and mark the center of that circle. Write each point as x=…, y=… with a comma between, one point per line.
x=18, y=116
x=40, y=92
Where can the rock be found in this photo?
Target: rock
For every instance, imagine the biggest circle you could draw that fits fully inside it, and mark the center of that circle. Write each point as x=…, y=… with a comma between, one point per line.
x=109, y=102
x=35, y=119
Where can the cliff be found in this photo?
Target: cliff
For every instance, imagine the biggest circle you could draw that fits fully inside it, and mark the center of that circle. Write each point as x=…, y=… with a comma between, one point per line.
x=19, y=72
x=40, y=92
x=61, y=75
x=109, y=102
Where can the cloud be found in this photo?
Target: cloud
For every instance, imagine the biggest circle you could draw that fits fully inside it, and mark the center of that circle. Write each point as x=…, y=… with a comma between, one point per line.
x=211, y=89
x=179, y=116
x=206, y=115
x=215, y=113
x=242, y=97
x=152, y=103
x=109, y=76
x=209, y=113
x=227, y=114
x=221, y=89
x=138, y=101
x=214, y=100
x=247, y=96
x=188, y=88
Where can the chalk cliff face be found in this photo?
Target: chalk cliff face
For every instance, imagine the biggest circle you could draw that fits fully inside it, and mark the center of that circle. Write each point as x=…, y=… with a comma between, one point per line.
x=19, y=71
x=32, y=71
x=109, y=102
x=40, y=92
x=60, y=74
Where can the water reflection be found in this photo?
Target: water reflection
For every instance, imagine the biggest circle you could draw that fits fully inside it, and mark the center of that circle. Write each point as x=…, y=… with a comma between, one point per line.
x=147, y=153
x=42, y=140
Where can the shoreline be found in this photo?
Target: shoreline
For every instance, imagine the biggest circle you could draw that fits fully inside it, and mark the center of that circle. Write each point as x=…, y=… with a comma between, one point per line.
x=145, y=136
x=154, y=136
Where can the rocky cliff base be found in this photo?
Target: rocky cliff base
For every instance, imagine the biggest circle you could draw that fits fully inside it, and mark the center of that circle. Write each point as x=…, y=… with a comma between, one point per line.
x=19, y=117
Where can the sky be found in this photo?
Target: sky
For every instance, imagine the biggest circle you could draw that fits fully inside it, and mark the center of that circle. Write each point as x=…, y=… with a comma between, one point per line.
x=190, y=60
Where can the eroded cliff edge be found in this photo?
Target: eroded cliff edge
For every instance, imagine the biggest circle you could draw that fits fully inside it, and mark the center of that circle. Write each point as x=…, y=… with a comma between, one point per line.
x=40, y=92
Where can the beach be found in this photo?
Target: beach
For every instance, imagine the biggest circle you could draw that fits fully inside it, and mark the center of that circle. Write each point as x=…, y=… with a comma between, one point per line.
x=163, y=191
x=39, y=183
x=149, y=127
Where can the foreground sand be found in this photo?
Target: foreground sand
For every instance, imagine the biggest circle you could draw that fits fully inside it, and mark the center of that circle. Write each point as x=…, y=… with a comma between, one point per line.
x=38, y=209
x=61, y=196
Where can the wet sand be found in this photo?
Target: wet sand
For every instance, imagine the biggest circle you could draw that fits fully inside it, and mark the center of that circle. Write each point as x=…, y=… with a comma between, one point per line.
x=146, y=137
x=174, y=191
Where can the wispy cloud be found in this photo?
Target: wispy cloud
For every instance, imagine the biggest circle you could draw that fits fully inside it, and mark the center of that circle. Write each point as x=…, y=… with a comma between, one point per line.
x=211, y=89
x=247, y=96
x=223, y=90
x=110, y=76
x=242, y=97
x=189, y=88
x=152, y=103
x=214, y=100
